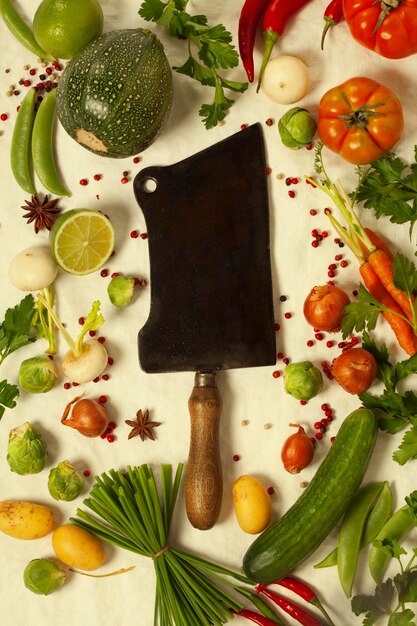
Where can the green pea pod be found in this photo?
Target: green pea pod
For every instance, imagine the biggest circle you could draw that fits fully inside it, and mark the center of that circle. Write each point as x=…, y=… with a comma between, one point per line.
x=397, y=525
x=350, y=534
x=20, y=159
x=21, y=31
x=42, y=148
x=374, y=522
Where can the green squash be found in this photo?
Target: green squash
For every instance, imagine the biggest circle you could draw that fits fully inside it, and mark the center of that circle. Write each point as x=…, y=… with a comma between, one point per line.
x=115, y=96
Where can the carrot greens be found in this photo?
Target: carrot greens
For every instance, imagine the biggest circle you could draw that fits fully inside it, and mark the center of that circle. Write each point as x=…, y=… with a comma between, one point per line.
x=129, y=511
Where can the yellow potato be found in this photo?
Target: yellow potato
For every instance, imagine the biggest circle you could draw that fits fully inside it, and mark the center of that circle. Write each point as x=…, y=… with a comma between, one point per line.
x=25, y=520
x=252, y=504
x=77, y=548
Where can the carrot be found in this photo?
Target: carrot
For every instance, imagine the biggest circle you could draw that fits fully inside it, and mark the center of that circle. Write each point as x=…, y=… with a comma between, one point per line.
x=378, y=242
x=402, y=329
x=384, y=270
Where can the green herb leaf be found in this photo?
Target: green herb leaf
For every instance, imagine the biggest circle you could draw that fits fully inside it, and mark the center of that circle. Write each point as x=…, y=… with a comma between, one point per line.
x=388, y=190
x=358, y=316
x=8, y=393
x=407, y=449
x=214, y=49
x=15, y=329
x=402, y=618
x=411, y=501
x=405, y=275
x=386, y=371
x=390, y=547
x=369, y=605
x=406, y=584
x=93, y=321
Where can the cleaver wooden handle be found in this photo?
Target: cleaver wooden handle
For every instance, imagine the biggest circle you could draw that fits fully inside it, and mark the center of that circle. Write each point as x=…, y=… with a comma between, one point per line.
x=203, y=476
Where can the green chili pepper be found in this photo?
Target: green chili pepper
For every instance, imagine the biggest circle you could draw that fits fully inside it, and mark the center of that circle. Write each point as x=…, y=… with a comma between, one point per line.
x=350, y=534
x=42, y=149
x=20, y=159
x=397, y=525
x=21, y=30
x=373, y=524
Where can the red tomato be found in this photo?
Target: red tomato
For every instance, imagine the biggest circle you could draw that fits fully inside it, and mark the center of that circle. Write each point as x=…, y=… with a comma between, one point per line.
x=360, y=120
x=389, y=31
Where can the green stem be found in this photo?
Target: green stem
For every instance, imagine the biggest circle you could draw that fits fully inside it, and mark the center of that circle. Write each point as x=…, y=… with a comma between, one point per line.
x=270, y=39
x=68, y=339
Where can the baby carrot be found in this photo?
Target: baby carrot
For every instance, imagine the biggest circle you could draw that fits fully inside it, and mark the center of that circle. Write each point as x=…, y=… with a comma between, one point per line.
x=382, y=266
x=402, y=329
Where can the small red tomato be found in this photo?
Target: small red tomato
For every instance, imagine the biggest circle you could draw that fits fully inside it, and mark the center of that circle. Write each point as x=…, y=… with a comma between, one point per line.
x=297, y=451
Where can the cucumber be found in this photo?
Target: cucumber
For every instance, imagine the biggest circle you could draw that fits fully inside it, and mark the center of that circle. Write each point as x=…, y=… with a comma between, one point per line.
x=297, y=534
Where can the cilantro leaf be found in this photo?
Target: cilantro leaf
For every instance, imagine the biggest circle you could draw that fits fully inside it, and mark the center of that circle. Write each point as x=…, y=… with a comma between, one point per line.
x=151, y=10
x=406, y=584
x=391, y=547
x=411, y=502
x=214, y=49
x=408, y=448
x=393, y=406
x=388, y=187
x=369, y=605
x=8, y=393
x=386, y=371
x=15, y=329
x=405, y=274
x=402, y=618
x=406, y=368
x=361, y=314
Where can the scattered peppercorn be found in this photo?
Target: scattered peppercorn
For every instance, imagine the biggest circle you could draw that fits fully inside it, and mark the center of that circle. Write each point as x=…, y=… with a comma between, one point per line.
x=83, y=182
x=236, y=457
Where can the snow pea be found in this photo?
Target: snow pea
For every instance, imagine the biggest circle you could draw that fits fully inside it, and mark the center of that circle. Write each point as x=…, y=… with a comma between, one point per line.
x=350, y=534
x=21, y=31
x=42, y=148
x=373, y=524
x=20, y=159
x=397, y=525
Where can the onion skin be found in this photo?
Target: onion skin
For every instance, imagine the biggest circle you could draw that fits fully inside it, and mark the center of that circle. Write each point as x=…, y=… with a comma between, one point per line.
x=297, y=451
x=323, y=307
x=355, y=370
x=89, y=417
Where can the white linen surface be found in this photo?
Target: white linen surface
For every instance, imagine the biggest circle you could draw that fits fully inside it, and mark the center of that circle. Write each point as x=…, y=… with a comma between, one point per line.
x=251, y=394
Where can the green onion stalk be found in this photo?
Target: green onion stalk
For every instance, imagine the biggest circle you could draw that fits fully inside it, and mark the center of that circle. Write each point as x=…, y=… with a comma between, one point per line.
x=130, y=513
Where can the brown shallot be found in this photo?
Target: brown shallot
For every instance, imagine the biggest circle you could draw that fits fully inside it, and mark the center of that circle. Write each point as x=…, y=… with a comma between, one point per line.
x=355, y=370
x=323, y=307
x=87, y=416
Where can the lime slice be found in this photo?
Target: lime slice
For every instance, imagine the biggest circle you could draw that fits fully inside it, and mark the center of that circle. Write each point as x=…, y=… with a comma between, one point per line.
x=81, y=240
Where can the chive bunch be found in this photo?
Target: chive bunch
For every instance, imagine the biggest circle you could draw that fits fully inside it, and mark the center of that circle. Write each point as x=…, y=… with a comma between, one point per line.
x=135, y=517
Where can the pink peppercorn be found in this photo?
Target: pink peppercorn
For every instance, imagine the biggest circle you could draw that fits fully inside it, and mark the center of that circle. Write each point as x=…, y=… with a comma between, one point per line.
x=288, y=316
x=81, y=321
x=269, y=121
x=110, y=360
x=317, y=425
x=104, y=273
x=102, y=399
x=96, y=379
x=92, y=333
x=97, y=176
x=110, y=438
x=315, y=243
x=313, y=212
x=303, y=402
x=288, y=181
x=27, y=83
x=134, y=234
x=136, y=159
x=276, y=374
x=236, y=457
x=344, y=264
x=86, y=473
x=286, y=360
x=243, y=126
x=277, y=327
x=329, y=343
x=32, y=71
x=48, y=70
x=319, y=336
x=3, y=117
x=291, y=193
x=101, y=339
x=324, y=233
x=105, y=377
x=144, y=236
x=124, y=180
x=310, y=343
x=280, y=355
x=83, y=182
x=271, y=491
x=67, y=385
x=294, y=181
x=319, y=436
x=331, y=274
x=332, y=439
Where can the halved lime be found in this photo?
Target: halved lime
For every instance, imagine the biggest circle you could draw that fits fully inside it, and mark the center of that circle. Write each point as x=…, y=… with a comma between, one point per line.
x=81, y=240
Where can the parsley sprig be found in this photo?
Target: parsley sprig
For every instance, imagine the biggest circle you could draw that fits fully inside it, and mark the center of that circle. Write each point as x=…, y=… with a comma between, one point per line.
x=214, y=51
x=392, y=596
x=14, y=333
x=389, y=187
x=395, y=410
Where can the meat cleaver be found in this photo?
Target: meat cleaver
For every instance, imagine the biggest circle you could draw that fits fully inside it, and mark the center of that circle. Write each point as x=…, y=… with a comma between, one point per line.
x=211, y=308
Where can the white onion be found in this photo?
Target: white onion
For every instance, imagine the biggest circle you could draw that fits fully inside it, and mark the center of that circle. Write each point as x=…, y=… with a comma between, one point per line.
x=286, y=79
x=88, y=365
x=33, y=269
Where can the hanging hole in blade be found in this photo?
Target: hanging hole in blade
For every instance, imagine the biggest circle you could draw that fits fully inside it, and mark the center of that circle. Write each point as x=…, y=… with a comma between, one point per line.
x=149, y=185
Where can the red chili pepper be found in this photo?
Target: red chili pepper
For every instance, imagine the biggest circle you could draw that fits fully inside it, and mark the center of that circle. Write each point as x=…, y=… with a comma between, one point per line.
x=276, y=15
x=249, y=18
x=290, y=607
x=255, y=617
x=332, y=16
x=305, y=592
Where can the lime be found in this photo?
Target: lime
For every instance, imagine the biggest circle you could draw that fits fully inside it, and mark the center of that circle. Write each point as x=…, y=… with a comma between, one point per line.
x=64, y=27
x=81, y=240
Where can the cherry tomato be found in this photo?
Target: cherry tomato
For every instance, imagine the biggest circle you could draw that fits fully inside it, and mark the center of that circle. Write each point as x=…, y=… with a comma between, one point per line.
x=389, y=30
x=360, y=120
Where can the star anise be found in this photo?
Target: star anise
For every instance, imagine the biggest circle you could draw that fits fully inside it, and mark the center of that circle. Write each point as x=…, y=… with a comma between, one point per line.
x=142, y=426
x=42, y=212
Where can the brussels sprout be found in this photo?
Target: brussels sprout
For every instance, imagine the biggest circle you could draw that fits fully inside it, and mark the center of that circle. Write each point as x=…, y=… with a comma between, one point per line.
x=64, y=482
x=26, y=450
x=297, y=128
x=120, y=290
x=38, y=374
x=302, y=380
x=43, y=576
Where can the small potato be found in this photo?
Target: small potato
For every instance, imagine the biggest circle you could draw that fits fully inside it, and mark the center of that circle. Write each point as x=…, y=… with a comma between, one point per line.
x=25, y=520
x=77, y=548
x=252, y=504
